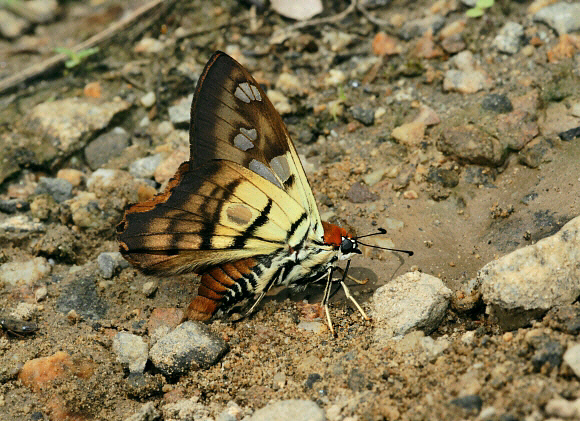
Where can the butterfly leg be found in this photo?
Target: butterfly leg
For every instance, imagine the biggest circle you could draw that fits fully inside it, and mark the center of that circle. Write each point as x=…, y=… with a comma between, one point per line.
x=263, y=293
x=352, y=278
x=325, y=299
x=351, y=298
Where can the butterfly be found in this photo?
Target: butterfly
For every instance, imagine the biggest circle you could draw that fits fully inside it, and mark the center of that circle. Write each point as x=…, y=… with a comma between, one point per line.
x=240, y=213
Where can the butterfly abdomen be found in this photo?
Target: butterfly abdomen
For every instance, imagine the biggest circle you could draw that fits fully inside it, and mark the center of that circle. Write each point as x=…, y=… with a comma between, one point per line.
x=222, y=286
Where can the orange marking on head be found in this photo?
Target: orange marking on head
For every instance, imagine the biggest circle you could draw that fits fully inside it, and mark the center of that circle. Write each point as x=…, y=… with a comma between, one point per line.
x=333, y=234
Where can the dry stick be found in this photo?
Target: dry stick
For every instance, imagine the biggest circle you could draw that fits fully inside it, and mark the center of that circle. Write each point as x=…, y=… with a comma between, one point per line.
x=57, y=60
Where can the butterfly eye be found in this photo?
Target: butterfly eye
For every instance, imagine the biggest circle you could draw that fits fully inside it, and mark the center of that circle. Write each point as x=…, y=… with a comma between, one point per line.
x=347, y=246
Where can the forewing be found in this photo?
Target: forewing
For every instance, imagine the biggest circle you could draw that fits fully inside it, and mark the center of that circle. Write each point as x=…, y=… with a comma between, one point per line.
x=216, y=213
x=233, y=119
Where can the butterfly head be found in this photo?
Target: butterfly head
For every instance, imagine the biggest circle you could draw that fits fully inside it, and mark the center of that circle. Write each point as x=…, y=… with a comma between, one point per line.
x=342, y=241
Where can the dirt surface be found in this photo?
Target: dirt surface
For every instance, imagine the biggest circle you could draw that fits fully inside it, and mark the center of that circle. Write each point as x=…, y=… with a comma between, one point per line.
x=453, y=229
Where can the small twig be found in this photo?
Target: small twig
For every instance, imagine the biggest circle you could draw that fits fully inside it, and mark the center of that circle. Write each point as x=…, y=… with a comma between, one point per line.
x=103, y=36
x=374, y=20
x=282, y=34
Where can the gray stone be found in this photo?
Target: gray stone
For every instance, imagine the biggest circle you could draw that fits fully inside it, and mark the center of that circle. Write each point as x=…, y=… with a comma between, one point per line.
x=12, y=26
x=498, y=103
x=66, y=125
x=417, y=27
x=20, y=224
x=562, y=17
x=80, y=295
x=290, y=410
x=233, y=412
x=145, y=167
x=509, y=39
x=529, y=281
x=179, y=114
x=14, y=205
x=24, y=273
x=106, y=146
x=109, y=262
x=572, y=358
x=189, y=344
x=366, y=117
x=58, y=188
x=146, y=413
x=131, y=350
x=468, y=402
x=186, y=410
x=412, y=301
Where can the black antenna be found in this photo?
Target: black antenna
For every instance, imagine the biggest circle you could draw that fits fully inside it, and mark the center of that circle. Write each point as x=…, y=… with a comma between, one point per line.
x=382, y=231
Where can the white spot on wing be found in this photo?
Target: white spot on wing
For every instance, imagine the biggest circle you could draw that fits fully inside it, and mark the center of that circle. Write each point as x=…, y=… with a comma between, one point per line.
x=242, y=142
x=280, y=166
x=241, y=95
x=251, y=134
x=245, y=86
x=263, y=171
x=256, y=93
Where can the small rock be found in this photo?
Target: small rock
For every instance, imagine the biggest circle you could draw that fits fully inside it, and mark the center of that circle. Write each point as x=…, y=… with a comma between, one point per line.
x=312, y=378
x=12, y=26
x=427, y=116
x=498, y=103
x=290, y=84
x=186, y=410
x=468, y=78
x=109, y=262
x=570, y=134
x=279, y=381
x=148, y=100
x=147, y=412
x=233, y=412
x=529, y=281
x=14, y=205
x=131, y=350
x=366, y=117
x=359, y=193
x=149, y=46
x=562, y=408
x=412, y=301
x=385, y=45
x=417, y=27
x=335, y=77
x=165, y=128
x=105, y=147
x=80, y=295
x=41, y=293
x=562, y=17
x=298, y=9
x=453, y=44
x=314, y=326
x=21, y=224
x=179, y=114
x=409, y=134
x=145, y=167
x=290, y=410
x=166, y=168
x=24, y=273
x=374, y=177
x=162, y=321
x=25, y=311
x=75, y=177
x=149, y=288
x=42, y=11
x=40, y=372
x=509, y=38
x=469, y=402
x=93, y=90
x=472, y=144
x=536, y=152
x=410, y=195
x=188, y=343
x=447, y=177
x=280, y=101
x=548, y=353
x=59, y=189
x=572, y=358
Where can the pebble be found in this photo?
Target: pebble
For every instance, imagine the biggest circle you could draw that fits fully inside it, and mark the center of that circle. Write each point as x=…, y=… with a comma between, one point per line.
x=498, y=103
x=75, y=177
x=572, y=358
x=427, y=116
x=446, y=177
x=41, y=293
x=131, y=350
x=385, y=45
x=365, y=116
x=166, y=168
x=562, y=408
x=147, y=412
x=526, y=283
x=280, y=101
x=12, y=26
x=86, y=212
x=289, y=410
x=469, y=402
x=416, y=342
x=162, y=321
x=148, y=100
x=145, y=167
x=149, y=46
x=374, y=177
x=186, y=410
x=25, y=311
x=39, y=373
x=164, y=128
x=410, y=134
x=105, y=147
x=335, y=77
x=14, y=205
x=79, y=294
x=297, y=10
x=412, y=301
x=314, y=326
x=289, y=84
x=563, y=17
x=468, y=78
x=510, y=37
x=417, y=27
x=21, y=224
x=189, y=342
x=179, y=114
x=58, y=188
x=24, y=273
x=337, y=41
x=110, y=262
x=359, y=193
x=233, y=412
x=549, y=352
x=471, y=144
x=64, y=124
x=149, y=288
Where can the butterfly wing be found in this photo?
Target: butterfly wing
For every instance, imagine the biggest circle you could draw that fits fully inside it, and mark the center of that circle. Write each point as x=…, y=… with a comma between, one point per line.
x=233, y=119
x=216, y=213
